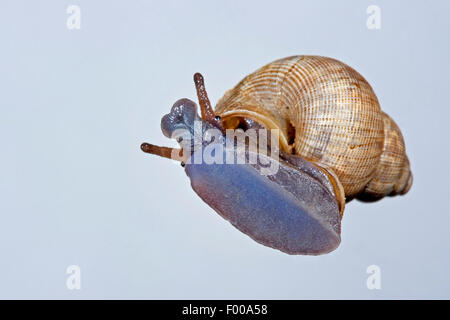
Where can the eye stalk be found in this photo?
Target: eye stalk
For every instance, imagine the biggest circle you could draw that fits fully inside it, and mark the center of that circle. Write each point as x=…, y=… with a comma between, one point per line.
x=205, y=106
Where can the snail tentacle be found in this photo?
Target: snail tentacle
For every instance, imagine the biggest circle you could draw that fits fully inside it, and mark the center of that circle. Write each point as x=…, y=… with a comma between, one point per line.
x=206, y=110
x=165, y=152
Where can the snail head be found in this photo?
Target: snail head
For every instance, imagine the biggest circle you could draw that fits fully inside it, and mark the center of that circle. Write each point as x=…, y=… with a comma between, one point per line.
x=184, y=124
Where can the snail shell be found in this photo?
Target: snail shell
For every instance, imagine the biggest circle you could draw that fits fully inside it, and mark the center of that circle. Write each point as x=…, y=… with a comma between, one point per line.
x=326, y=113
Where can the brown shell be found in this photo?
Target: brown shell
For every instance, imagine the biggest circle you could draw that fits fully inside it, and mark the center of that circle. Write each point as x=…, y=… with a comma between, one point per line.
x=393, y=175
x=327, y=113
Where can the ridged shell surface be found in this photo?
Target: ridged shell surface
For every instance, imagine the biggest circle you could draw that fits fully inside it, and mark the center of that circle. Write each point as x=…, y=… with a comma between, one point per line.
x=393, y=175
x=326, y=112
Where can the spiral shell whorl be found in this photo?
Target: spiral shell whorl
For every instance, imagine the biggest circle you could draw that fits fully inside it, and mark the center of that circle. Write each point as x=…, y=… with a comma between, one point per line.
x=332, y=110
x=393, y=175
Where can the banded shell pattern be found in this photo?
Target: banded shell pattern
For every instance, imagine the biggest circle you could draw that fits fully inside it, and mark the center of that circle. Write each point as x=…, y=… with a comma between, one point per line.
x=326, y=113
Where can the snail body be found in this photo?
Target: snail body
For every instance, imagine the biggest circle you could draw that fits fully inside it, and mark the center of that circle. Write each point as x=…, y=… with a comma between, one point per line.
x=335, y=144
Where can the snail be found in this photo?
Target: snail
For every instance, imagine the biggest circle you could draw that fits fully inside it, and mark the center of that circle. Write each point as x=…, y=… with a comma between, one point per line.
x=334, y=144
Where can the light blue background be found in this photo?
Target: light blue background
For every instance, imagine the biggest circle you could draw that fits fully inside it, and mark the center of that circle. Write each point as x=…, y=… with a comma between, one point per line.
x=76, y=189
